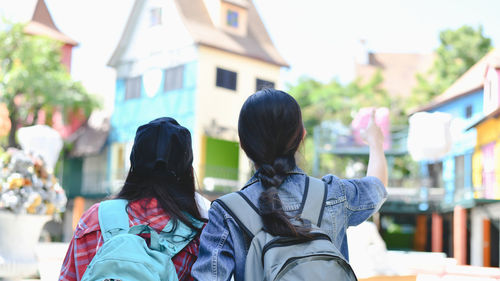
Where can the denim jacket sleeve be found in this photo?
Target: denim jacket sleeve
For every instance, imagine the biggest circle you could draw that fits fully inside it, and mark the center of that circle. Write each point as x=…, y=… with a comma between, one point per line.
x=364, y=197
x=216, y=257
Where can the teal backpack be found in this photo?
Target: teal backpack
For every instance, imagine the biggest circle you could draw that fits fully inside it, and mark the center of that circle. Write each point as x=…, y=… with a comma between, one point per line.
x=125, y=256
x=274, y=258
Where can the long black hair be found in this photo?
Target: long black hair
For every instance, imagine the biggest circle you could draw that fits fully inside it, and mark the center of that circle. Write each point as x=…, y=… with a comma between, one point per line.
x=271, y=130
x=161, y=168
x=176, y=196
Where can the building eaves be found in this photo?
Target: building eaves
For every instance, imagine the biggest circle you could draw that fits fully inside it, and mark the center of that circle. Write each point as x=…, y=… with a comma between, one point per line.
x=471, y=81
x=257, y=44
x=493, y=114
x=42, y=24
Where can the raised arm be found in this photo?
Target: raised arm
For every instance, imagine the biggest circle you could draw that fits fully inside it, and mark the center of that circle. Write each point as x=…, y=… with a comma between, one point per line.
x=377, y=164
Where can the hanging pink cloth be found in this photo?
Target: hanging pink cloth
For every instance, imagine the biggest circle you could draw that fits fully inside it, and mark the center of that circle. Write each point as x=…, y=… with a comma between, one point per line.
x=362, y=119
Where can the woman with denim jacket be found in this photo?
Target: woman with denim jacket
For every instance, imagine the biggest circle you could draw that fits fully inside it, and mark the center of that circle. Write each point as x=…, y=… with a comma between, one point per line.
x=271, y=130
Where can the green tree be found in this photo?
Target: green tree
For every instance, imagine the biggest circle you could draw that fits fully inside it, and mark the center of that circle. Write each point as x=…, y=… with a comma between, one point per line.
x=32, y=78
x=334, y=101
x=337, y=102
x=458, y=50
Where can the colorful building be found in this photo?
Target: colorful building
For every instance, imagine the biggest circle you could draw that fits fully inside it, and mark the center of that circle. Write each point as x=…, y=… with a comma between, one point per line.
x=468, y=171
x=485, y=221
x=38, y=22
x=196, y=61
x=36, y=16
x=399, y=70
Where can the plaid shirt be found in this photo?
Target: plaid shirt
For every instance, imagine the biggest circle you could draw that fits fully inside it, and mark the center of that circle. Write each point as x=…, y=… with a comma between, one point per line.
x=87, y=240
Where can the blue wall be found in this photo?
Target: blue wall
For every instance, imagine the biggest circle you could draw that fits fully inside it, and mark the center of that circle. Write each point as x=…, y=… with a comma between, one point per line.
x=466, y=142
x=129, y=114
x=457, y=106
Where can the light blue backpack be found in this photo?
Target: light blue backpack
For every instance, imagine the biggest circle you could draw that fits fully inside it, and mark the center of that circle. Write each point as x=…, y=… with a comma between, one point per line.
x=126, y=256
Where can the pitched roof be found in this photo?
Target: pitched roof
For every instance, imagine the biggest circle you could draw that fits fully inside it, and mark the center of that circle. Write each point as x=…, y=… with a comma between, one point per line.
x=42, y=24
x=471, y=81
x=398, y=70
x=257, y=44
x=36, y=28
x=42, y=15
x=37, y=16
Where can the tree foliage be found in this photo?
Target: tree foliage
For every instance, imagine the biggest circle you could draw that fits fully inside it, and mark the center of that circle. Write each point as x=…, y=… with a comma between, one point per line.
x=32, y=78
x=334, y=101
x=458, y=50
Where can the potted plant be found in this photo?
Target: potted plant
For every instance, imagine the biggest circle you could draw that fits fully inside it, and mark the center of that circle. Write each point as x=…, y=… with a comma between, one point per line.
x=30, y=196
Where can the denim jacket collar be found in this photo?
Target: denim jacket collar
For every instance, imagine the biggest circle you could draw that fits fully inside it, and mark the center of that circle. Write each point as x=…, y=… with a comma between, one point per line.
x=254, y=178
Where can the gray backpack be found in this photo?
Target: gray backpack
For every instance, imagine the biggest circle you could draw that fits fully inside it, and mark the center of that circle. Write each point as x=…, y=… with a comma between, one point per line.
x=272, y=258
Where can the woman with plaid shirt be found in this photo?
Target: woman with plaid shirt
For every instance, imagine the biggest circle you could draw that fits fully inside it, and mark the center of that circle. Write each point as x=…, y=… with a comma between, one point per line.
x=160, y=186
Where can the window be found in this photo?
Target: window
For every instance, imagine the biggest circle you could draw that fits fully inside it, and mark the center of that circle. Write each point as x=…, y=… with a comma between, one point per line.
x=490, y=90
x=232, y=18
x=468, y=111
x=262, y=84
x=459, y=177
x=226, y=79
x=174, y=78
x=155, y=17
x=435, y=171
x=133, y=88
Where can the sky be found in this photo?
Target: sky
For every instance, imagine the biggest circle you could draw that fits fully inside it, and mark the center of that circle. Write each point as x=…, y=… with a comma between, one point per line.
x=318, y=38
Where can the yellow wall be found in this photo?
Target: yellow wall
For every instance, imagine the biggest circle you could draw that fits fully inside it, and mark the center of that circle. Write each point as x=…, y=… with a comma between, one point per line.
x=477, y=173
x=497, y=170
x=222, y=105
x=488, y=131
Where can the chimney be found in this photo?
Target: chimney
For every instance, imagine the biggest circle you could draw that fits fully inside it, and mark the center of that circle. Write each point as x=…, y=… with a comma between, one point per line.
x=362, y=56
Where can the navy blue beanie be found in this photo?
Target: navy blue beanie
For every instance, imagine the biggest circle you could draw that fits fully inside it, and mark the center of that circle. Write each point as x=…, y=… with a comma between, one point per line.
x=162, y=146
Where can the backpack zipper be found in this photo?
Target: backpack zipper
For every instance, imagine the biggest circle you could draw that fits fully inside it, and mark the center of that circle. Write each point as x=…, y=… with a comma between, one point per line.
x=284, y=269
x=288, y=241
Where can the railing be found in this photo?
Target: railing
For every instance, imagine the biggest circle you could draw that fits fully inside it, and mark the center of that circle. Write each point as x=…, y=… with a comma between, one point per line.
x=335, y=138
x=415, y=195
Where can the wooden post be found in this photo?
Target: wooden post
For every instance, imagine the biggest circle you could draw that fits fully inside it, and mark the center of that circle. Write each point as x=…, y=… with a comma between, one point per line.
x=78, y=209
x=486, y=243
x=437, y=232
x=460, y=235
x=420, y=240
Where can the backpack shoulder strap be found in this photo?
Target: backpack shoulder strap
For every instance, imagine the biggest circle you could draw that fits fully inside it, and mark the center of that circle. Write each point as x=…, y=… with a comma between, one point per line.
x=314, y=200
x=241, y=209
x=113, y=218
x=175, y=241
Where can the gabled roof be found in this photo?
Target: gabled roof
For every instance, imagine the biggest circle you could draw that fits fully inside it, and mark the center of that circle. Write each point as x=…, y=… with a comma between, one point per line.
x=470, y=82
x=37, y=16
x=398, y=69
x=257, y=44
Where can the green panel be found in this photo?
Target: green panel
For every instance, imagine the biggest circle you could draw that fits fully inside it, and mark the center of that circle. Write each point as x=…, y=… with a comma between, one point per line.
x=72, y=176
x=398, y=241
x=222, y=158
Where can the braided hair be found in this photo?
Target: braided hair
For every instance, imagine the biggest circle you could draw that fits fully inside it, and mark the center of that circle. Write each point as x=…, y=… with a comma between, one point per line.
x=271, y=130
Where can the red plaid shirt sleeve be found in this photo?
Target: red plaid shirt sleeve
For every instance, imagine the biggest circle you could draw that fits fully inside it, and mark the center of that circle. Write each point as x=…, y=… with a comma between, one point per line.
x=88, y=239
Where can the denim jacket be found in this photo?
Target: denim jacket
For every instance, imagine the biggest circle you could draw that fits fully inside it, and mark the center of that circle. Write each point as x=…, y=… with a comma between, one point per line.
x=223, y=246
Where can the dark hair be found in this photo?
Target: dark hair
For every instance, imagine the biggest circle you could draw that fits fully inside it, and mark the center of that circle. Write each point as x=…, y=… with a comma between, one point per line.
x=271, y=130
x=161, y=168
x=175, y=195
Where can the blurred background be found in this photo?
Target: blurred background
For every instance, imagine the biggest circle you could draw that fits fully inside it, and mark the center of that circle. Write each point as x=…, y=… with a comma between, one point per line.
x=77, y=78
